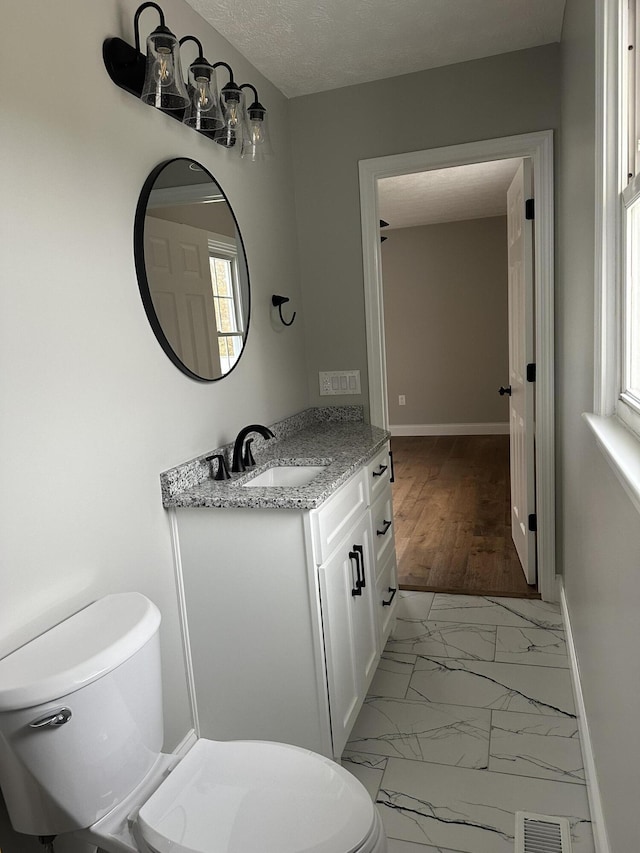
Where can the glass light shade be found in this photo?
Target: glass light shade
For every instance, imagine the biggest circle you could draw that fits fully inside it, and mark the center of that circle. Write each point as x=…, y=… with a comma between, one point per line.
x=232, y=103
x=203, y=112
x=164, y=86
x=256, y=144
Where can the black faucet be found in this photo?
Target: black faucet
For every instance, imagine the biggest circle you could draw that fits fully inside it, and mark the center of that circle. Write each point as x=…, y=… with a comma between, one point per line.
x=238, y=463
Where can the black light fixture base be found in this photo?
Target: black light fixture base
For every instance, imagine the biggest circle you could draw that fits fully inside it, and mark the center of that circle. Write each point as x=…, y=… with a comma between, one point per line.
x=125, y=65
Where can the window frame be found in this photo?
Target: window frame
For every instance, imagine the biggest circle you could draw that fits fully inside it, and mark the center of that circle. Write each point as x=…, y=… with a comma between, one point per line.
x=615, y=423
x=628, y=403
x=226, y=249
x=616, y=196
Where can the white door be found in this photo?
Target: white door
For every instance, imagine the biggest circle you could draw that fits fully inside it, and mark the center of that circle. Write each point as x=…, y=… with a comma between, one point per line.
x=179, y=275
x=521, y=354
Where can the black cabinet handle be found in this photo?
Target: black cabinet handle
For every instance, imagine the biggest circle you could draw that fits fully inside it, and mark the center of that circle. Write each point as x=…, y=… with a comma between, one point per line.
x=380, y=471
x=360, y=552
x=357, y=590
x=392, y=478
x=385, y=526
x=393, y=591
x=502, y=390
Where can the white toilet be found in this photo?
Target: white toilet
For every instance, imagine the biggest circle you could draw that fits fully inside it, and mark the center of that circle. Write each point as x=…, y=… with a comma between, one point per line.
x=80, y=738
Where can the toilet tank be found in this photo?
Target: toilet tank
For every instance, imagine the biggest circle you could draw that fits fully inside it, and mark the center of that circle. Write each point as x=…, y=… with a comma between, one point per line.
x=94, y=680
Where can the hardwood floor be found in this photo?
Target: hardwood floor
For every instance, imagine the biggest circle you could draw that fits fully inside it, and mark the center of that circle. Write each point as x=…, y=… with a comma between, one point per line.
x=452, y=516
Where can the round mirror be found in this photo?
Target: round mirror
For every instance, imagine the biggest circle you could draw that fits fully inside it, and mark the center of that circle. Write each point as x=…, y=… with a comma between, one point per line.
x=192, y=269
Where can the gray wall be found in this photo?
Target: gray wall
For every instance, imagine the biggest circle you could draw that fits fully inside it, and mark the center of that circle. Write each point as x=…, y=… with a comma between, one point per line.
x=499, y=96
x=92, y=410
x=599, y=533
x=446, y=322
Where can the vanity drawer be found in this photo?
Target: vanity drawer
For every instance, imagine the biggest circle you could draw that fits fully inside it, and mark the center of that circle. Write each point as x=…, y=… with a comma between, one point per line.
x=378, y=474
x=387, y=598
x=382, y=527
x=331, y=522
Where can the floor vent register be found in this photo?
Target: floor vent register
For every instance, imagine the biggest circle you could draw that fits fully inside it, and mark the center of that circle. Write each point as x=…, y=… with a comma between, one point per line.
x=537, y=833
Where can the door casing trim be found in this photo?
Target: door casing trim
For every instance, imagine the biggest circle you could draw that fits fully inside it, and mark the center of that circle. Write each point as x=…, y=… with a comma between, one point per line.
x=539, y=148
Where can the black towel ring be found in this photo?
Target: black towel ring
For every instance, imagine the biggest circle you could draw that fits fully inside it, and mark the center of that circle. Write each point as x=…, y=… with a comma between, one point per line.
x=278, y=302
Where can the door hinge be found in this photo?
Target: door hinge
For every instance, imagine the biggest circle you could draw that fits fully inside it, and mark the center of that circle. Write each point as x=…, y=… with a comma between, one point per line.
x=529, y=209
x=533, y=523
x=531, y=372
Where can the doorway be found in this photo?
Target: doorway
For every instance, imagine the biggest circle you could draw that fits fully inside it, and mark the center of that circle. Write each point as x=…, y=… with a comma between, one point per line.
x=537, y=148
x=451, y=513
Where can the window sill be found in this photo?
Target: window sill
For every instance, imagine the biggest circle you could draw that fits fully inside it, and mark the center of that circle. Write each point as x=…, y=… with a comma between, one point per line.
x=621, y=449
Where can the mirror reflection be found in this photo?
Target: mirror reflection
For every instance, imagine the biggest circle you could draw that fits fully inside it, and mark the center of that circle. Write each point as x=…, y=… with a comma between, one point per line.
x=192, y=269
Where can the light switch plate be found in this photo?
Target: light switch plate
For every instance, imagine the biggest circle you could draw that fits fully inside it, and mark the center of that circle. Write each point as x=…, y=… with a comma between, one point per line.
x=339, y=382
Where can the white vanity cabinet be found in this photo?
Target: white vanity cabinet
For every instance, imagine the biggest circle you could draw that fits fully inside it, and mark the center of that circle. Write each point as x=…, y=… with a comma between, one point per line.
x=284, y=613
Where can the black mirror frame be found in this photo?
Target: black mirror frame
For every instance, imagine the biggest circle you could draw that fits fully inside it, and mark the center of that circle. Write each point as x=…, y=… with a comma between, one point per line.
x=143, y=281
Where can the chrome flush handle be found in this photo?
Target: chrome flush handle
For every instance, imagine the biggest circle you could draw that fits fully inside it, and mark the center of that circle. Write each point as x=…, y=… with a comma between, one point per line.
x=58, y=718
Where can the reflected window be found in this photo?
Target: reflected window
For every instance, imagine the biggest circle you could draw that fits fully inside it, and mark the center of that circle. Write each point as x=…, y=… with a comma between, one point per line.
x=223, y=261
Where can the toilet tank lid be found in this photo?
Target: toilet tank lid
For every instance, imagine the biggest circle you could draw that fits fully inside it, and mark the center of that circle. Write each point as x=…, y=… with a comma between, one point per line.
x=79, y=650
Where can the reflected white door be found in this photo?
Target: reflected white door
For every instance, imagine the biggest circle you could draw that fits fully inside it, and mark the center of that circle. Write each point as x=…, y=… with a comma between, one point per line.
x=177, y=258
x=521, y=353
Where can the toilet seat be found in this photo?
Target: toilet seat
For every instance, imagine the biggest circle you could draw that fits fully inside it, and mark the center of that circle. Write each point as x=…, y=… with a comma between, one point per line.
x=258, y=797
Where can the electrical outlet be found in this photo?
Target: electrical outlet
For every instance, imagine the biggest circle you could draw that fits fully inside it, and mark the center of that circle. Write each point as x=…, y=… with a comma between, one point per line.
x=402, y=400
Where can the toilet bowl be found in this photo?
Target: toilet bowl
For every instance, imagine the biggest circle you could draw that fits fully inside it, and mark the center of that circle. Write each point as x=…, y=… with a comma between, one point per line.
x=80, y=735
x=245, y=797
x=258, y=796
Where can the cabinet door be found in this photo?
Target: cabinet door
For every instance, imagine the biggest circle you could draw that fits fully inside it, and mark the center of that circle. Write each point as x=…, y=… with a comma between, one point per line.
x=332, y=521
x=365, y=609
x=347, y=591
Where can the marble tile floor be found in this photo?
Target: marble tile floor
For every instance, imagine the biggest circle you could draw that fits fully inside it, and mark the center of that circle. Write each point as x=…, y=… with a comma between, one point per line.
x=470, y=717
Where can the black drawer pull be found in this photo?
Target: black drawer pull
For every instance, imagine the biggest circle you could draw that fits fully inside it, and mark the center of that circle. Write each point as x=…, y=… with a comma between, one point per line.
x=357, y=590
x=393, y=591
x=385, y=526
x=392, y=478
x=380, y=471
x=360, y=552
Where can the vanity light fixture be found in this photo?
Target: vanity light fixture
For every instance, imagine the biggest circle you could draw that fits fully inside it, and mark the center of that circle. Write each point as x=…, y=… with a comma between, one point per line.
x=231, y=101
x=278, y=302
x=256, y=145
x=163, y=81
x=203, y=112
x=157, y=79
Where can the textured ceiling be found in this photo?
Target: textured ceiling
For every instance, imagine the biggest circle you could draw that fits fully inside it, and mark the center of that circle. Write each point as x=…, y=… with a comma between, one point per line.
x=446, y=195
x=306, y=46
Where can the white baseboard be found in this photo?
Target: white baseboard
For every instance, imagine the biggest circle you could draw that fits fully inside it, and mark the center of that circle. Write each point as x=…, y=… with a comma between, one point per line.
x=186, y=743
x=600, y=837
x=450, y=429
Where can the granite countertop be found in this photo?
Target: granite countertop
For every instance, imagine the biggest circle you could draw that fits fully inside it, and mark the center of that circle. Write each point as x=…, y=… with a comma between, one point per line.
x=342, y=445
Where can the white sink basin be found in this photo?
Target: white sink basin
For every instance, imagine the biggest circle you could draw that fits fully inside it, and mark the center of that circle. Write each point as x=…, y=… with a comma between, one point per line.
x=285, y=475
